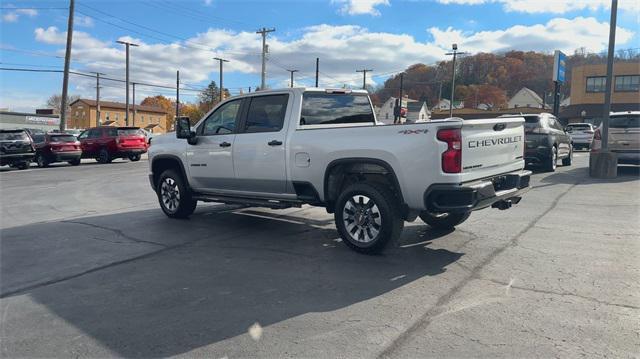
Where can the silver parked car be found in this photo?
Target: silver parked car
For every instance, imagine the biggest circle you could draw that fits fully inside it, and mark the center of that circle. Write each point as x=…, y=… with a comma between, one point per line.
x=581, y=134
x=624, y=137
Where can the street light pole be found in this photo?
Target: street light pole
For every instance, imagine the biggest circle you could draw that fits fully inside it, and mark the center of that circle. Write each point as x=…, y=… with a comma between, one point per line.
x=453, y=75
x=291, y=71
x=127, y=45
x=221, y=60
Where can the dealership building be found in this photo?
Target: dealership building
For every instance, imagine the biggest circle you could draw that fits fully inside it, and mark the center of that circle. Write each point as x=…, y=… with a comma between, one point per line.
x=14, y=120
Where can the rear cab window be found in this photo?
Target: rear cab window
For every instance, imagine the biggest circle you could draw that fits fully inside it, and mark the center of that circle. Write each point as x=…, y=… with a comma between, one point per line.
x=62, y=138
x=14, y=136
x=340, y=109
x=625, y=121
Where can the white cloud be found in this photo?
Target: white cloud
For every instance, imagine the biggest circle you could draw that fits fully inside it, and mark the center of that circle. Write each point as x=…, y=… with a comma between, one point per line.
x=208, y=2
x=14, y=15
x=552, y=6
x=361, y=7
x=341, y=49
x=10, y=17
x=83, y=21
x=559, y=33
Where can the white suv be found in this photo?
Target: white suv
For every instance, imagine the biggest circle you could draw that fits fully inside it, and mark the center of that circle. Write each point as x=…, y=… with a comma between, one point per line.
x=581, y=134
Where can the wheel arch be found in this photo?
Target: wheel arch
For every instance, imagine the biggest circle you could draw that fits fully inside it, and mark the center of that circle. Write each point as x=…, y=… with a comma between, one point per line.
x=362, y=168
x=161, y=163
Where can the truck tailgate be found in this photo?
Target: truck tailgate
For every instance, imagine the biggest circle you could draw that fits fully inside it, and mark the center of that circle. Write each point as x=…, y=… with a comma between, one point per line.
x=492, y=146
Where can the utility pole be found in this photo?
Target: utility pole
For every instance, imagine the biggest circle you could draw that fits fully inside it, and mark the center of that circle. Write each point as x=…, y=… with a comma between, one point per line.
x=135, y=110
x=292, y=71
x=264, y=31
x=127, y=45
x=364, y=77
x=221, y=60
x=177, y=93
x=67, y=60
x=317, y=69
x=98, y=120
x=398, y=111
x=453, y=75
x=607, y=94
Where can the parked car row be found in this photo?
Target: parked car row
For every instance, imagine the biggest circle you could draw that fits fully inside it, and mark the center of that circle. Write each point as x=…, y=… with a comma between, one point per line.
x=18, y=148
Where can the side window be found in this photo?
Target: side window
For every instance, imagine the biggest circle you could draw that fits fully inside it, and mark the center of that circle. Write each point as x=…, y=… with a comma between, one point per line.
x=95, y=133
x=223, y=120
x=332, y=109
x=38, y=138
x=266, y=113
x=555, y=124
x=112, y=132
x=83, y=135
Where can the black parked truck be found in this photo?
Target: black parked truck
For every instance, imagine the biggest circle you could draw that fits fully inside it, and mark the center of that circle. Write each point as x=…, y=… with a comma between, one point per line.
x=16, y=149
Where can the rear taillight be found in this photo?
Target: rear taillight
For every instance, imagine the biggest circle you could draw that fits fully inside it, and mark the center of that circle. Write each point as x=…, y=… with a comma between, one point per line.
x=597, y=135
x=452, y=157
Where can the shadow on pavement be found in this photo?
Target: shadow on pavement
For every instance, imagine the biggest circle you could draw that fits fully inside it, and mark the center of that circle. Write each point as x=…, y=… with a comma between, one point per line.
x=580, y=175
x=206, y=280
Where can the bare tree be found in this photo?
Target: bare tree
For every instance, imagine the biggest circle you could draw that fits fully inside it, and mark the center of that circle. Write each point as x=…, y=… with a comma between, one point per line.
x=55, y=102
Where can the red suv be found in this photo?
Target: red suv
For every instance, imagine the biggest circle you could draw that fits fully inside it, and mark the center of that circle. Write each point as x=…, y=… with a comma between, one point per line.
x=57, y=147
x=107, y=143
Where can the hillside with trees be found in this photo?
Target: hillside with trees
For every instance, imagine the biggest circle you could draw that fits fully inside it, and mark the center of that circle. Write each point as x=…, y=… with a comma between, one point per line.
x=486, y=77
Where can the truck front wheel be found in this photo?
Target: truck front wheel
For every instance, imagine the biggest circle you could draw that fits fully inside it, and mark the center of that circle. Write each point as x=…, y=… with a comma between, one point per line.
x=444, y=220
x=368, y=217
x=173, y=195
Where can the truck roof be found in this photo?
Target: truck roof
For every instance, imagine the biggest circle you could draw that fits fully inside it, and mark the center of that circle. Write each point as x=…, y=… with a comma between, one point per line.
x=308, y=89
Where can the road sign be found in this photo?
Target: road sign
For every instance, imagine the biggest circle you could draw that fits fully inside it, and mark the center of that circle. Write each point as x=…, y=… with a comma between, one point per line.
x=559, y=60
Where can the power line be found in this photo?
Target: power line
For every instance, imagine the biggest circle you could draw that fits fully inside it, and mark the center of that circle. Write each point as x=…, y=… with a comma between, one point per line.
x=34, y=8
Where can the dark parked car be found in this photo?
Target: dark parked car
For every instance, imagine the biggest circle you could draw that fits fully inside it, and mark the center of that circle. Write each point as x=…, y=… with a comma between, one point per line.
x=16, y=148
x=57, y=147
x=546, y=141
x=107, y=143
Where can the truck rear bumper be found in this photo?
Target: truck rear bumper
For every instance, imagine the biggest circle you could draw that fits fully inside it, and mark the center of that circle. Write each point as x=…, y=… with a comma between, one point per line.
x=499, y=191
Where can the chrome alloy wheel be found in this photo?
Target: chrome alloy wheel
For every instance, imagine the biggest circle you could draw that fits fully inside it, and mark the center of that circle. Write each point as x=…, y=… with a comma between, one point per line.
x=170, y=194
x=362, y=218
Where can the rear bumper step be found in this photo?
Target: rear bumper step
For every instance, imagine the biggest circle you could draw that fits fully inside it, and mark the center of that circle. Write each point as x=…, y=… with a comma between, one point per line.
x=500, y=192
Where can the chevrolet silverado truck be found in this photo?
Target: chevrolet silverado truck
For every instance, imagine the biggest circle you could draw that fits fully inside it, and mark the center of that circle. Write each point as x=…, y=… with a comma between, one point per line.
x=291, y=147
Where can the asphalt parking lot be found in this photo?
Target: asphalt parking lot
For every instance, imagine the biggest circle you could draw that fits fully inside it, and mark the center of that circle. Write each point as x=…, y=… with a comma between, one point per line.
x=90, y=267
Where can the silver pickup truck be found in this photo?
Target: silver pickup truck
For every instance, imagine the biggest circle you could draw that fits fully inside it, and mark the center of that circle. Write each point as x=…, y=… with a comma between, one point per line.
x=286, y=148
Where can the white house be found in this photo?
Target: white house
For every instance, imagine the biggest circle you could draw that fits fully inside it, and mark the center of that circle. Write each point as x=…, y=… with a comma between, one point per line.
x=418, y=112
x=525, y=98
x=444, y=105
x=385, y=114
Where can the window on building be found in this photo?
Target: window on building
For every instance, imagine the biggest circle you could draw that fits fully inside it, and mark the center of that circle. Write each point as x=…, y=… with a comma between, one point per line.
x=117, y=115
x=627, y=83
x=596, y=84
x=76, y=113
x=386, y=116
x=391, y=104
x=107, y=116
x=142, y=119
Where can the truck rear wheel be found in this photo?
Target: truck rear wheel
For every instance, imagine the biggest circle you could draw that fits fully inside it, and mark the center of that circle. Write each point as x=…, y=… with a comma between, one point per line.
x=368, y=217
x=173, y=195
x=443, y=220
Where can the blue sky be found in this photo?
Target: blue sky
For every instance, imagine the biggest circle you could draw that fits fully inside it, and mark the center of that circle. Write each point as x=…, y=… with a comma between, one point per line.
x=385, y=35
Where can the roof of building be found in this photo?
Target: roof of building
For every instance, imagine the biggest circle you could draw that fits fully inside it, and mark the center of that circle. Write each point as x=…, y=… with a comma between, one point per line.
x=120, y=105
x=415, y=106
x=529, y=92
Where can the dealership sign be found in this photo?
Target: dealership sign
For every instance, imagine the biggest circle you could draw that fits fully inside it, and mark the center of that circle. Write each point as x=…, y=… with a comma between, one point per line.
x=52, y=121
x=559, y=62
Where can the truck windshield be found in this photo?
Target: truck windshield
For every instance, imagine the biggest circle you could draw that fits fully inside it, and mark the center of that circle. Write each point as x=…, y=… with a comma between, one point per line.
x=330, y=109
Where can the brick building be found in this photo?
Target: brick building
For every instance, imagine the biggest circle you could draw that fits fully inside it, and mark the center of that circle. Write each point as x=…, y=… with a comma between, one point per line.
x=83, y=115
x=588, y=88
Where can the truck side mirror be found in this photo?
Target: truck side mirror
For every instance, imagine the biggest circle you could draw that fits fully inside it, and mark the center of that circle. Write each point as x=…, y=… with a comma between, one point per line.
x=183, y=129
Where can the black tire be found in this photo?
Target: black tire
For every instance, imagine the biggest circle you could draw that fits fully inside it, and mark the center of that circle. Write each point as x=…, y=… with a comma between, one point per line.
x=173, y=183
x=41, y=161
x=75, y=162
x=444, y=220
x=567, y=161
x=368, y=202
x=104, y=156
x=22, y=165
x=552, y=161
x=134, y=158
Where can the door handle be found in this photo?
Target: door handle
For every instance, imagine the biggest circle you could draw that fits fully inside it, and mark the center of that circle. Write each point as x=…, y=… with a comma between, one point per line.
x=275, y=143
x=225, y=144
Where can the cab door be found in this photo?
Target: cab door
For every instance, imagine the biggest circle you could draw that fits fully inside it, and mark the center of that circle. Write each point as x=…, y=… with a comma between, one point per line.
x=210, y=162
x=259, y=151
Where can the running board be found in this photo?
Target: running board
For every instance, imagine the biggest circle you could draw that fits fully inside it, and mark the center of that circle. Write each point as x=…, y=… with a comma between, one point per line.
x=253, y=202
